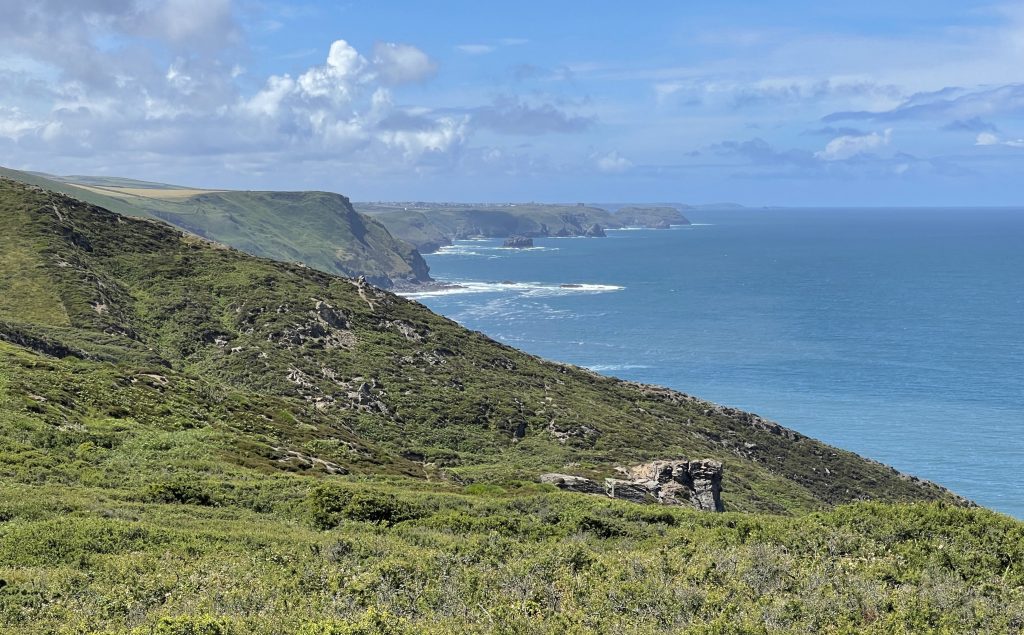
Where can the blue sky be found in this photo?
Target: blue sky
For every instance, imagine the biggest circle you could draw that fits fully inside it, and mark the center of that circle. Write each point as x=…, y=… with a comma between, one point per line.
x=762, y=103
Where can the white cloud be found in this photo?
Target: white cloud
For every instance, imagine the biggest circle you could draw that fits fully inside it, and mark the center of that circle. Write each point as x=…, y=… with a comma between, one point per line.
x=989, y=139
x=194, y=22
x=613, y=162
x=986, y=139
x=402, y=63
x=337, y=78
x=447, y=133
x=267, y=102
x=14, y=124
x=849, y=146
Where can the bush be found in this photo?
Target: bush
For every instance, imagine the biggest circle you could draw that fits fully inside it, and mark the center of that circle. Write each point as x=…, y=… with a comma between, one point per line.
x=191, y=625
x=181, y=490
x=330, y=505
x=373, y=622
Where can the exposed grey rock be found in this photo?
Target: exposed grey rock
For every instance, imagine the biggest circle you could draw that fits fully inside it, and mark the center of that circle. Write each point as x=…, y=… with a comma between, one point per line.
x=696, y=484
x=323, y=327
x=573, y=433
x=594, y=231
x=633, y=491
x=707, y=485
x=573, y=483
x=518, y=242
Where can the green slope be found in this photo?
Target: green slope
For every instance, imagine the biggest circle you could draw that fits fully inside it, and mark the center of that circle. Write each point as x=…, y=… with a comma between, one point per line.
x=319, y=229
x=195, y=440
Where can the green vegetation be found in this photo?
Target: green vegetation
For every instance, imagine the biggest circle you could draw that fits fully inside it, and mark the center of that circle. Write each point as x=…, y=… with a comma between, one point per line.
x=319, y=229
x=194, y=440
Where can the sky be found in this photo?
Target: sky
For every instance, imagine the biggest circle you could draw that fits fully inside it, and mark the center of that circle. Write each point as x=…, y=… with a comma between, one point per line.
x=754, y=102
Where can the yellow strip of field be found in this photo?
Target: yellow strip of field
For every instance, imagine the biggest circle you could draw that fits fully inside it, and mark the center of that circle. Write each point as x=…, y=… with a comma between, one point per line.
x=129, y=192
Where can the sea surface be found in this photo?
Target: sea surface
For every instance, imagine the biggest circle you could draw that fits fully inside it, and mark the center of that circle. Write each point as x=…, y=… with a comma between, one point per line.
x=895, y=333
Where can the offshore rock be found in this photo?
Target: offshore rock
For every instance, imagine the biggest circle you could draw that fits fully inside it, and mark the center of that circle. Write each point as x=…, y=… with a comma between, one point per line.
x=518, y=242
x=595, y=231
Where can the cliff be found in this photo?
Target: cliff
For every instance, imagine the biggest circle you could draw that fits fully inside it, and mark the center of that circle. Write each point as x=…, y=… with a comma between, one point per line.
x=319, y=229
x=429, y=226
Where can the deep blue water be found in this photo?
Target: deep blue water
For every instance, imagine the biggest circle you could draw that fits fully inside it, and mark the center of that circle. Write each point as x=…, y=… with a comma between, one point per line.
x=898, y=334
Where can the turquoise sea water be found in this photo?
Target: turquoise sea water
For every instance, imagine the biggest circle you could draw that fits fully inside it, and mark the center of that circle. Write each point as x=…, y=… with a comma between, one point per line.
x=898, y=334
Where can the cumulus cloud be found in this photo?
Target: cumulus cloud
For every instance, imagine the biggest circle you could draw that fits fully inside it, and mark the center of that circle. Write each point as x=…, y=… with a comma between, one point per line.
x=613, y=163
x=163, y=78
x=986, y=139
x=849, y=146
x=402, y=63
x=346, y=103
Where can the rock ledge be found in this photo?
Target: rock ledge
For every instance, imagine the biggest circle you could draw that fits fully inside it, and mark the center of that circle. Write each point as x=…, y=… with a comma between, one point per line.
x=696, y=484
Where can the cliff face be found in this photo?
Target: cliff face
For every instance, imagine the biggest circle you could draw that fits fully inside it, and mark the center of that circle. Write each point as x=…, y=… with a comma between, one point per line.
x=430, y=226
x=651, y=217
x=318, y=229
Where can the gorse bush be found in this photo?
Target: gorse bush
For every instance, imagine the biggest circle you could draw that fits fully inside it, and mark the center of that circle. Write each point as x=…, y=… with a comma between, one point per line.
x=186, y=625
x=330, y=505
x=178, y=490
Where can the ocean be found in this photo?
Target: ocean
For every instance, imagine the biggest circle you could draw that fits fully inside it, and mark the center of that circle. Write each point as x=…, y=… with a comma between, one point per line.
x=895, y=333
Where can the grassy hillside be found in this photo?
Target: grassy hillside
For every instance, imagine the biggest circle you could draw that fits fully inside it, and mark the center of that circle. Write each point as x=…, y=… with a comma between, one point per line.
x=319, y=229
x=195, y=440
x=431, y=225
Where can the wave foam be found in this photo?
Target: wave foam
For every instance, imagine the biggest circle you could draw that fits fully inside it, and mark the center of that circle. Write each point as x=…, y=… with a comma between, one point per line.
x=533, y=289
x=604, y=368
x=488, y=251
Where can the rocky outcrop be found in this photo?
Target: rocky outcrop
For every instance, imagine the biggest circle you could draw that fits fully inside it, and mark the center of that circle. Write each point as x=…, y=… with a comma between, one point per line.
x=594, y=231
x=571, y=483
x=632, y=491
x=696, y=484
x=518, y=242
